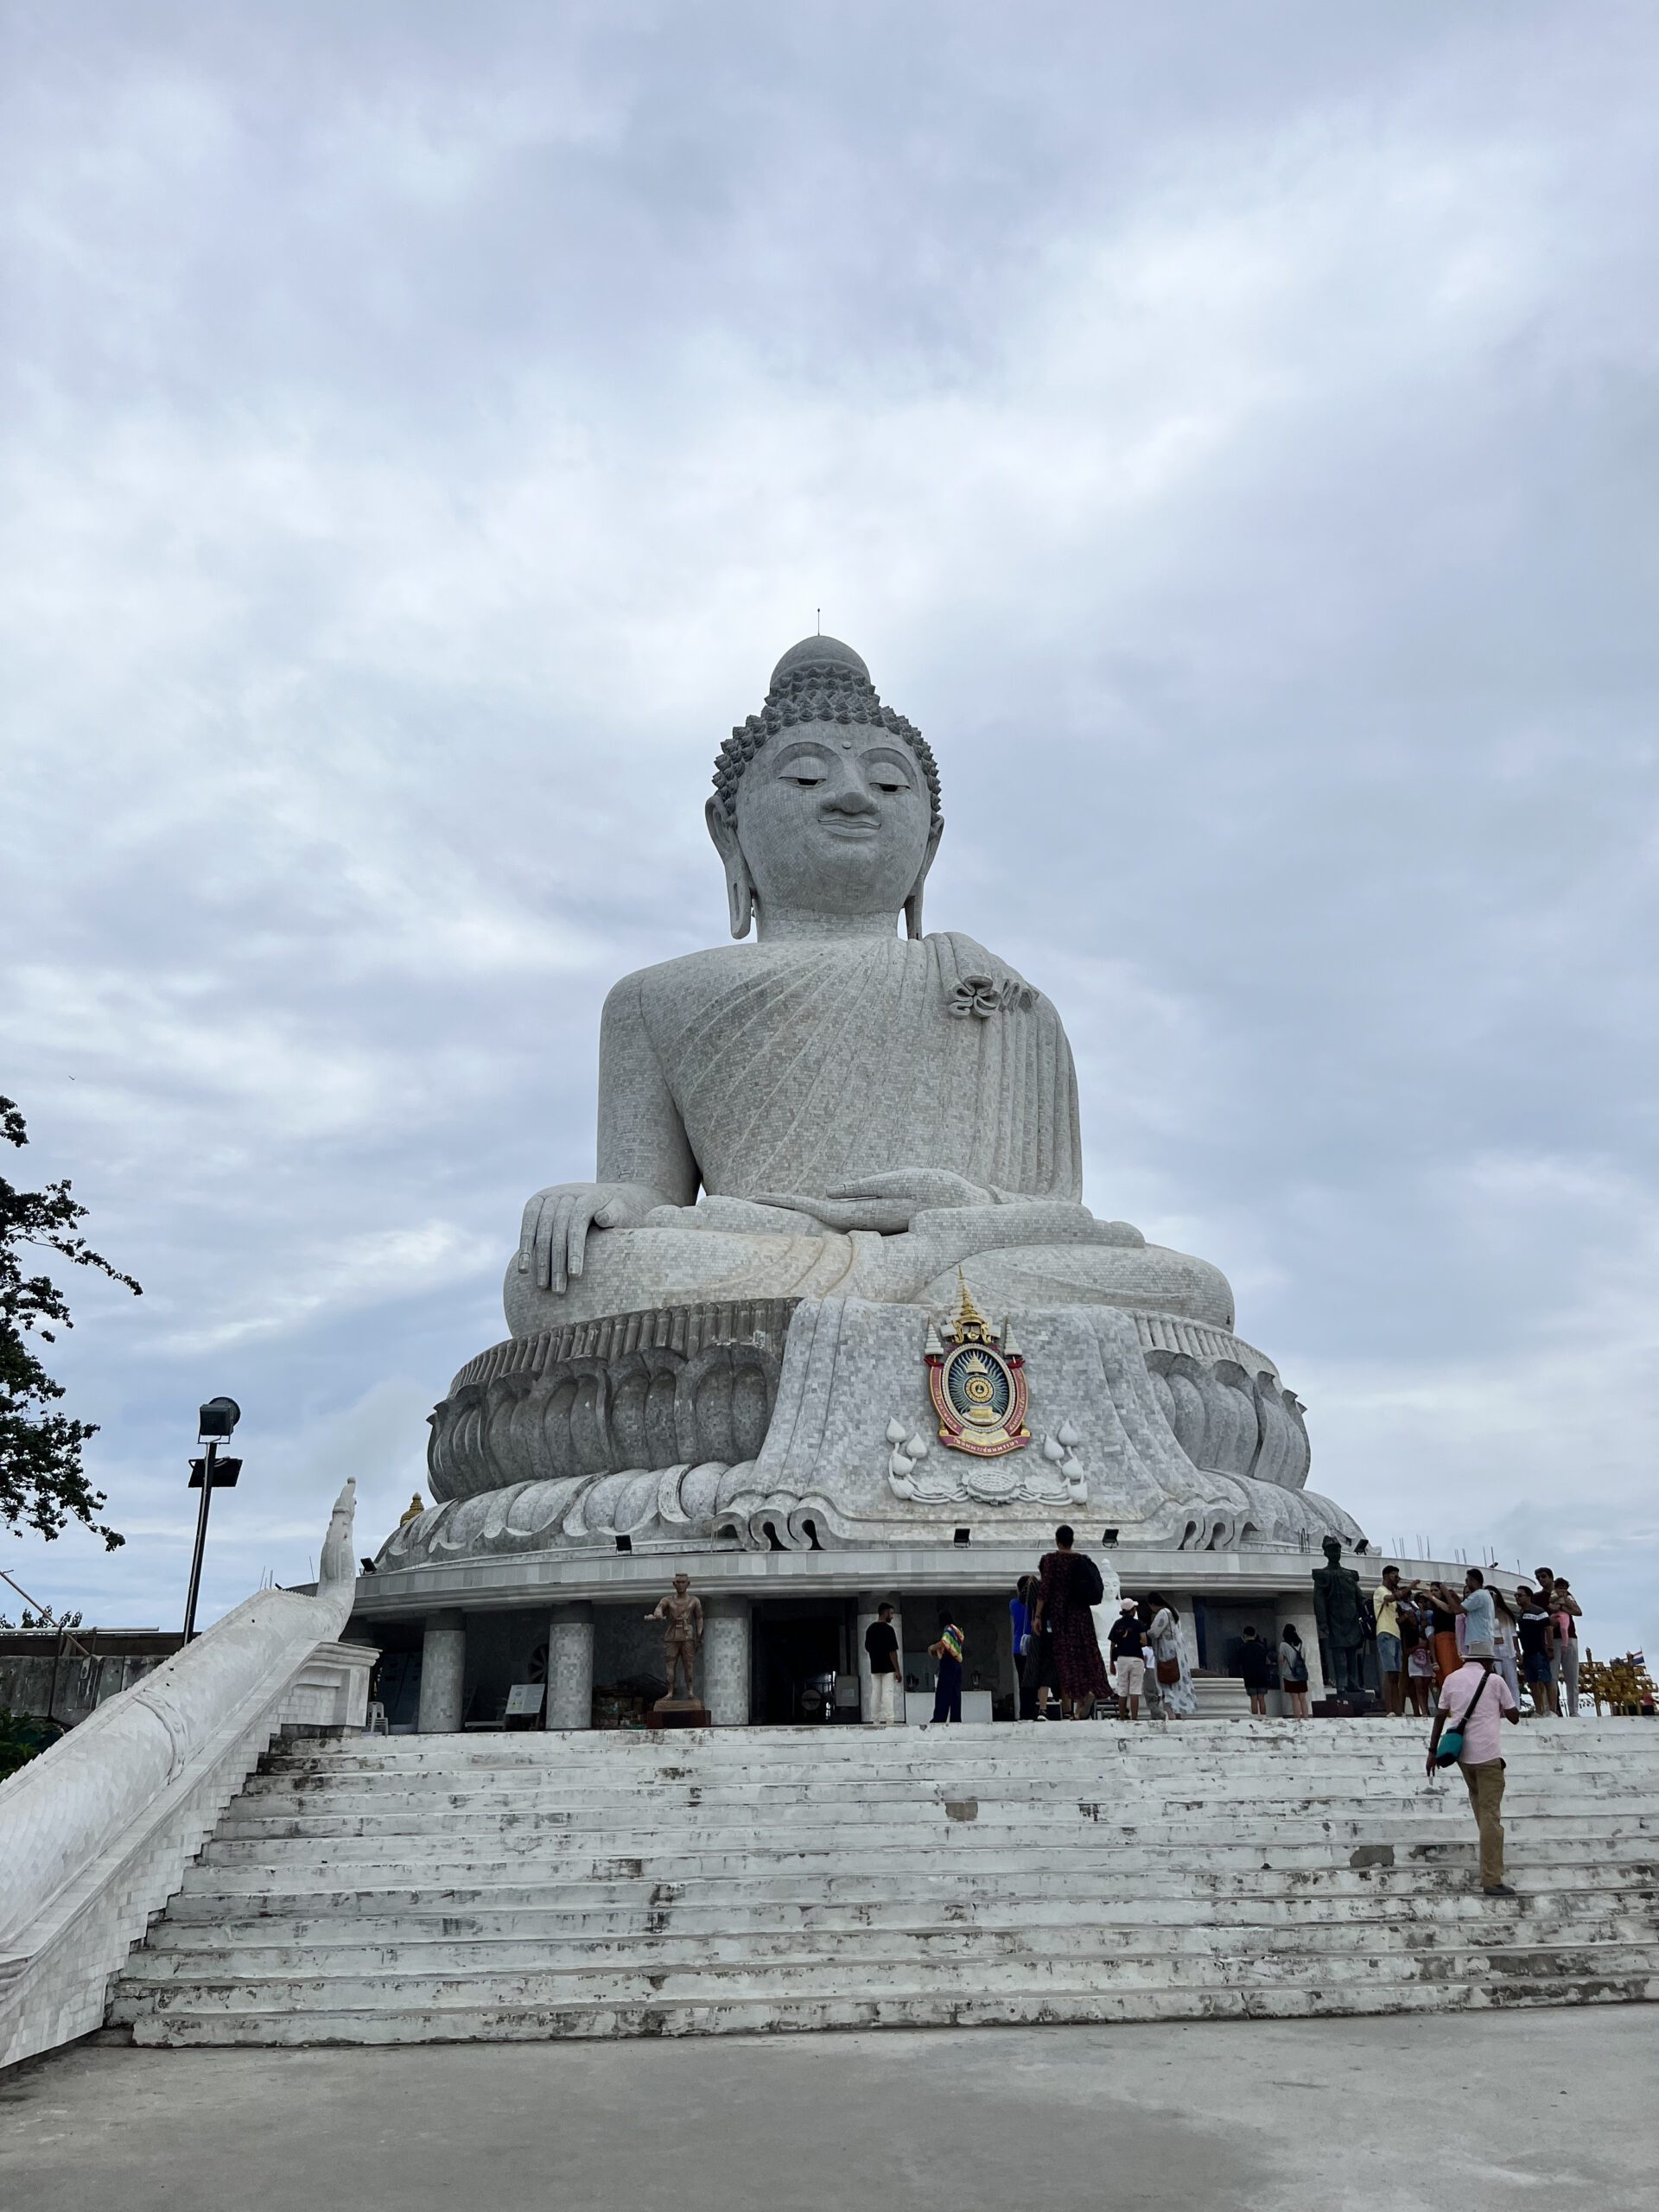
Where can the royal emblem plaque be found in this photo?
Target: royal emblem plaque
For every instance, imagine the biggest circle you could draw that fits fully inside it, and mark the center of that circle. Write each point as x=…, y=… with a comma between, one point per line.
x=977, y=1378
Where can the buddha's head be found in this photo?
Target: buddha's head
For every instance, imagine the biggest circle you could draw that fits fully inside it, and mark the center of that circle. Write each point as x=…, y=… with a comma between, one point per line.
x=826, y=803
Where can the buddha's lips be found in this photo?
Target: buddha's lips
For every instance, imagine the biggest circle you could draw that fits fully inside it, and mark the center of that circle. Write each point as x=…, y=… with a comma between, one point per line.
x=862, y=831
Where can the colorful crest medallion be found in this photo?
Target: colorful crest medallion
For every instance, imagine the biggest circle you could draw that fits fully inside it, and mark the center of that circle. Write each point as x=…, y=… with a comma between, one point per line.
x=976, y=1377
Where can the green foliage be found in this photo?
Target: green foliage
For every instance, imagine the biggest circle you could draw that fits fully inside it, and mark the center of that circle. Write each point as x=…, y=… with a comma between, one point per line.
x=42, y=1485
x=23, y=1738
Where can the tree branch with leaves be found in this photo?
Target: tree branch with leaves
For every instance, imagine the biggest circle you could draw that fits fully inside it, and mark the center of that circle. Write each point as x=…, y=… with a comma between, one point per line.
x=43, y=1484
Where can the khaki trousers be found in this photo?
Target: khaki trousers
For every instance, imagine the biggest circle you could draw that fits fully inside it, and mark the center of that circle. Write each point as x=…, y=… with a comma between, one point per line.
x=1485, y=1787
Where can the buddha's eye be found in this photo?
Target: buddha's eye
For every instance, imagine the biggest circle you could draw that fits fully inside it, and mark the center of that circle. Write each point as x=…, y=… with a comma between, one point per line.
x=891, y=784
x=806, y=775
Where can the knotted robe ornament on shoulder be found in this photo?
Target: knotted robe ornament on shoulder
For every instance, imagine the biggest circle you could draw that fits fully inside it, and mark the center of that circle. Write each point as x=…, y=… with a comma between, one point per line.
x=977, y=1378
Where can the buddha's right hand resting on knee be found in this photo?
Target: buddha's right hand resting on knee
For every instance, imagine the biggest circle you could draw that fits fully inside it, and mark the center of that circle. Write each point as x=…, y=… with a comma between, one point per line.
x=556, y=1221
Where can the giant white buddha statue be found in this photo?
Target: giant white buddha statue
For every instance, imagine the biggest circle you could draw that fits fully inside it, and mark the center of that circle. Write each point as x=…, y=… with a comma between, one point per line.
x=826, y=1152
x=836, y=1105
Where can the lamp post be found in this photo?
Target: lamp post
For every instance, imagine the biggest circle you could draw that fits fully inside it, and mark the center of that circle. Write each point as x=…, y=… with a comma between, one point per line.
x=216, y=1421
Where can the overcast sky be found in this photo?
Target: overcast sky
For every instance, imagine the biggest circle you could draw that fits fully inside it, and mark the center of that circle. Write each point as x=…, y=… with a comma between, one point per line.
x=1230, y=432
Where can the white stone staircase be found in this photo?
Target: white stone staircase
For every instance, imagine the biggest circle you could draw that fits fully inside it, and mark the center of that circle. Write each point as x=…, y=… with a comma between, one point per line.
x=466, y=1888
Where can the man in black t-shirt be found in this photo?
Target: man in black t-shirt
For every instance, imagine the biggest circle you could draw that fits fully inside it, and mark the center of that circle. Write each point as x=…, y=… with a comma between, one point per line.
x=886, y=1679
x=1256, y=1665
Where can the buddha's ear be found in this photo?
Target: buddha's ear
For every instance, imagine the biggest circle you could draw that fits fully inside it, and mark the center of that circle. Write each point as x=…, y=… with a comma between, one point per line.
x=740, y=885
x=914, y=904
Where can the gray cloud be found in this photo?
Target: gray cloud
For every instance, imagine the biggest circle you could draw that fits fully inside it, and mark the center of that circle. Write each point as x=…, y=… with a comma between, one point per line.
x=1234, y=445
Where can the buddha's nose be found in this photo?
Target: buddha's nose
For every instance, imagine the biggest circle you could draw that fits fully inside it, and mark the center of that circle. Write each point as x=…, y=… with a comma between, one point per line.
x=847, y=793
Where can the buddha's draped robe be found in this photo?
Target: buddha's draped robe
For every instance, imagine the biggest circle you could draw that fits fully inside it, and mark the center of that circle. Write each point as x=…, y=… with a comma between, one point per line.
x=799, y=1067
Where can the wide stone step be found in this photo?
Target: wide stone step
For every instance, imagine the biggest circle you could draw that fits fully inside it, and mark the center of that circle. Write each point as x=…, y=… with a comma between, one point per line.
x=1268, y=1743
x=725, y=1848
x=710, y=1764
x=806, y=2013
x=600, y=1803
x=1200, y=1874
x=839, y=1875
x=248, y=1821
x=449, y=1954
x=853, y=1740
x=623, y=1793
x=632, y=1983
x=817, y=1784
x=711, y=1760
x=1291, y=1908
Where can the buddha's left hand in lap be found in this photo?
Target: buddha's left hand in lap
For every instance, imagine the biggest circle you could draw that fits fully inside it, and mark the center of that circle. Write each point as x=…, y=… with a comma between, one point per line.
x=886, y=1202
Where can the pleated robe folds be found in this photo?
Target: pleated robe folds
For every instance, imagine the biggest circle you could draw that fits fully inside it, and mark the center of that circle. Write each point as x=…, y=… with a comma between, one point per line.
x=796, y=1068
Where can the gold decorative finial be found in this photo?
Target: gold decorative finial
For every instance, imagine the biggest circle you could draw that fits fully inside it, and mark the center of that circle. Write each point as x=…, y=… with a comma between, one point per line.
x=967, y=1314
x=417, y=1507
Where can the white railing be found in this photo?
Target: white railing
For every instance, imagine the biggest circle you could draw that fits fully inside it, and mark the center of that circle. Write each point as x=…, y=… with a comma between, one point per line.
x=95, y=1834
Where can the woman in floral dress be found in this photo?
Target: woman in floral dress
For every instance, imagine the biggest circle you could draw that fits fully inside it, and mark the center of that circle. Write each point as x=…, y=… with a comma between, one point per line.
x=1063, y=1605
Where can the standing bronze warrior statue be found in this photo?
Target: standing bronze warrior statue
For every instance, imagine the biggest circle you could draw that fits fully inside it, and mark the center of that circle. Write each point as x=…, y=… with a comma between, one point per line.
x=682, y=1637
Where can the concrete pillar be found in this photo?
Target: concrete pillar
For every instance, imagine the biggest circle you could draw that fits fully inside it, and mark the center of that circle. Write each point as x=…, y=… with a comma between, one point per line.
x=443, y=1674
x=570, y=1667
x=868, y=1600
x=1298, y=1606
x=1187, y=1627
x=728, y=1640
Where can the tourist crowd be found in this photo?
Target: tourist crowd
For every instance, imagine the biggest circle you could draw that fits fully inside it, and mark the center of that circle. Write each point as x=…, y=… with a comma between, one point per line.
x=1427, y=1630
x=1425, y=1636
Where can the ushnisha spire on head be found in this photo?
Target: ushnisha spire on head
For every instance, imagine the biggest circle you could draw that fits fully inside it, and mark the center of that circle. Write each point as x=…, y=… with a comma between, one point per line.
x=820, y=680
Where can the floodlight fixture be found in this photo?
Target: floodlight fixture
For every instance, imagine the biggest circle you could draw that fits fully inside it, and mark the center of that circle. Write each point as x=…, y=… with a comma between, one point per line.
x=217, y=1419
x=215, y=1422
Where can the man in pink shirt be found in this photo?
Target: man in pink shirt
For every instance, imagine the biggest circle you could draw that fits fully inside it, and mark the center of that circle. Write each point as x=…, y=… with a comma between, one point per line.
x=1477, y=1698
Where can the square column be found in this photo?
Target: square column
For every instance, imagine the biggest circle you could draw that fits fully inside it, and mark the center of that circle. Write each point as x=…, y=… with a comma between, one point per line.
x=869, y=1602
x=727, y=1641
x=570, y=1667
x=1297, y=1605
x=1186, y=1628
x=443, y=1674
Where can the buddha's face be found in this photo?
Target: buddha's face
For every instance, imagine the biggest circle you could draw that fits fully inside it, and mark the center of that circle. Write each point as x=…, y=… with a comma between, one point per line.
x=833, y=819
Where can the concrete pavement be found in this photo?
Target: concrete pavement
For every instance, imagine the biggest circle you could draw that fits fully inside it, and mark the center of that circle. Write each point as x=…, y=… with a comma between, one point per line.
x=1553, y=2107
